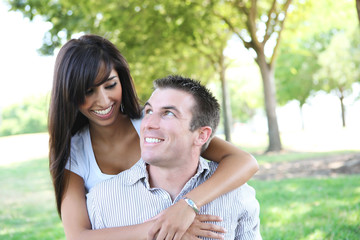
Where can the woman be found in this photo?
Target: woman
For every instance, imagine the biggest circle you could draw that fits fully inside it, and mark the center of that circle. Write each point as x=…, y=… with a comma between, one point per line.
x=94, y=122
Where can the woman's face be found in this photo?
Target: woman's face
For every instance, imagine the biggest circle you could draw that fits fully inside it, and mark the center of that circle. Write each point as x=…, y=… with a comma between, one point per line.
x=102, y=103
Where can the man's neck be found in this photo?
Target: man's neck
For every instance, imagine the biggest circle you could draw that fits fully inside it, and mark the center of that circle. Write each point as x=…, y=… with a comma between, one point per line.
x=174, y=179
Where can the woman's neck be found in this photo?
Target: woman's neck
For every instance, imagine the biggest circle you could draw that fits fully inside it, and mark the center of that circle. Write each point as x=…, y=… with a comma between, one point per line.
x=120, y=128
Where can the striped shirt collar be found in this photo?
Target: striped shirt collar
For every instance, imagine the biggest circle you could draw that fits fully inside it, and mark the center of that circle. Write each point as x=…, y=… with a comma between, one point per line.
x=138, y=172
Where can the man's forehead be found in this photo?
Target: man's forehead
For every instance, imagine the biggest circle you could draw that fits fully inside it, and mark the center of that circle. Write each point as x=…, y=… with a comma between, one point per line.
x=163, y=97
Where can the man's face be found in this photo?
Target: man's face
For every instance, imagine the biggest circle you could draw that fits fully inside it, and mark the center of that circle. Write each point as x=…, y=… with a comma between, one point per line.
x=165, y=134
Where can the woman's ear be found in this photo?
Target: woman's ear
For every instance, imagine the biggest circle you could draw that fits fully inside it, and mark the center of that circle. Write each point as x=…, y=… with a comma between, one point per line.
x=204, y=134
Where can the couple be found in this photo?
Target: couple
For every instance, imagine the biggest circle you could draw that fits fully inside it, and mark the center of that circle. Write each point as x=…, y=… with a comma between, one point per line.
x=94, y=126
x=180, y=118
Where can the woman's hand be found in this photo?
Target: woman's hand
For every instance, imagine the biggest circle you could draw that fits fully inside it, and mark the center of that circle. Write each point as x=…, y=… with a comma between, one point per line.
x=180, y=222
x=173, y=222
x=200, y=228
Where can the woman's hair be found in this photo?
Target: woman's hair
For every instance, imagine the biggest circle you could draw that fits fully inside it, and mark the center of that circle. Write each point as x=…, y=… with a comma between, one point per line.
x=78, y=65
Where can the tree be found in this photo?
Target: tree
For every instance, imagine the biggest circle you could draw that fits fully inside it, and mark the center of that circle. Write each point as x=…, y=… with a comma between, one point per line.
x=259, y=26
x=338, y=68
x=308, y=33
x=210, y=40
x=143, y=30
x=297, y=64
x=358, y=9
x=29, y=116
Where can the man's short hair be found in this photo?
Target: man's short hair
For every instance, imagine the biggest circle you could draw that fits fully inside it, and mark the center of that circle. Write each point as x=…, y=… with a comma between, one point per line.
x=206, y=111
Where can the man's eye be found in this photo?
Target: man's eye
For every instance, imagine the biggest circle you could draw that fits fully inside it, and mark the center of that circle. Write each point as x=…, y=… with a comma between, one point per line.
x=148, y=111
x=169, y=113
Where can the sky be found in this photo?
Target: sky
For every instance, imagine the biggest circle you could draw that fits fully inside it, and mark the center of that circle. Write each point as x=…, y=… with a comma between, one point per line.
x=24, y=73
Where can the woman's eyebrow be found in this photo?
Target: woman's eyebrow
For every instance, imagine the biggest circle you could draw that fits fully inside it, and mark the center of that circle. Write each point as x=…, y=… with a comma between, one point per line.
x=105, y=80
x=111, y=78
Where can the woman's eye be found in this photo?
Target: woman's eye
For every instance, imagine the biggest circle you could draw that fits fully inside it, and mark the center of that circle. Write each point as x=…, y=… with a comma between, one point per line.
x=111, y=86
x=89, y=91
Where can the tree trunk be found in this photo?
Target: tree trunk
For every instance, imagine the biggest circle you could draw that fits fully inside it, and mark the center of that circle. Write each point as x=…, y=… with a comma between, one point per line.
x=302, y=117
x=225, y=101
x=342, y=111
x=267, y=74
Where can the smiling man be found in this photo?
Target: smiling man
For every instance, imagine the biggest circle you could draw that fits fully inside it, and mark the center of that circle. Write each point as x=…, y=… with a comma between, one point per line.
x=180, y=118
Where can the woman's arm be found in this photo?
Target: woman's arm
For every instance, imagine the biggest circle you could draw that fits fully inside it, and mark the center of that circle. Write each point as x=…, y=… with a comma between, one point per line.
x=235, y=168
x=76, y=222
x=77, y=225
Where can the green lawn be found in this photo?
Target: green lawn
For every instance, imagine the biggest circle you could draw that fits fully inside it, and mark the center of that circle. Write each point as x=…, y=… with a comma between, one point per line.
x=290, y=209
x=327, y=208
x=27, y=202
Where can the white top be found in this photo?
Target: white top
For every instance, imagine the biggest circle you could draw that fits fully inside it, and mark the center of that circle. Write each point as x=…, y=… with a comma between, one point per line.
x=82, y=159
x=128, y=199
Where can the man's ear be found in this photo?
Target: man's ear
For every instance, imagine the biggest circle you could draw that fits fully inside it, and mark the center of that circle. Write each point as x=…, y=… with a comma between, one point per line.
x=204, y=134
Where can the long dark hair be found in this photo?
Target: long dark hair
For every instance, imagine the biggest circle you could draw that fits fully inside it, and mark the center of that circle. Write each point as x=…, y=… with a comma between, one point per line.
x=77, y=66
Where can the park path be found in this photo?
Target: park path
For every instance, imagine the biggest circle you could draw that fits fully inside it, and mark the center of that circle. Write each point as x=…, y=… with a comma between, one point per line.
x=20, y=148
x=329, y=166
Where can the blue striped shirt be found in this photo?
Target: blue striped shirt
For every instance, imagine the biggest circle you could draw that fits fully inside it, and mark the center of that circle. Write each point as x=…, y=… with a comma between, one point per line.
x=128, y=199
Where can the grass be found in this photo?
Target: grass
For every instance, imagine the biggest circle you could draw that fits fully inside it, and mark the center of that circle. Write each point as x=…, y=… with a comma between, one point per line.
x=327, y=208
x=295, y=209
x=303, y=209
x=27, y=202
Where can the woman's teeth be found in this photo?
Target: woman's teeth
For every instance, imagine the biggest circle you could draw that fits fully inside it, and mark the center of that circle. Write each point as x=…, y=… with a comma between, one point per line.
x=103, y=112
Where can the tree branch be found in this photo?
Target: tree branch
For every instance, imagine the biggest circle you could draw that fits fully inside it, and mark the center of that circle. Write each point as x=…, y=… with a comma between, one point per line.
x=267, y=30
x=233, y=29
x=251, y=24
x=274, y=55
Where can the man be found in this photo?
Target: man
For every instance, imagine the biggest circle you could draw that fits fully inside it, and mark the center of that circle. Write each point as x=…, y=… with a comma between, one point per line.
x=180, y=118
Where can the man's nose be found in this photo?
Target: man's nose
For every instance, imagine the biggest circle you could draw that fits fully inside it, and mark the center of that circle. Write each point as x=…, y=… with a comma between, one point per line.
x=152, y=121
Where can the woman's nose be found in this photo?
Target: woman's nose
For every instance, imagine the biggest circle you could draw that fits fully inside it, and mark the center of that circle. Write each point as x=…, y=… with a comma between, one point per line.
x=103, y=98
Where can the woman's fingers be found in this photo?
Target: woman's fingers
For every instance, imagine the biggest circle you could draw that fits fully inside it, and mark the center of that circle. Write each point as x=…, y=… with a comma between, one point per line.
x=208, y=218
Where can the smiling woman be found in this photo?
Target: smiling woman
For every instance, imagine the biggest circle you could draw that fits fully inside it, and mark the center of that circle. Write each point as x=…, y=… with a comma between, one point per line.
x=103, y=99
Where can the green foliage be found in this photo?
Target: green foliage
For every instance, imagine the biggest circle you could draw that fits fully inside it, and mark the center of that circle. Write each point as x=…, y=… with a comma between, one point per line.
x=30, y=116
x=154, y=37
x=308, y=33
x=338, y=64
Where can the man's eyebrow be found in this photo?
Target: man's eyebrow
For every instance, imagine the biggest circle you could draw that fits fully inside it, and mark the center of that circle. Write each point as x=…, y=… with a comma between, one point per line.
x=171, y=107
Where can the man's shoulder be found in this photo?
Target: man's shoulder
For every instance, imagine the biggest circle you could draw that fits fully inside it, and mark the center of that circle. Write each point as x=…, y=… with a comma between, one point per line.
x=122, y=180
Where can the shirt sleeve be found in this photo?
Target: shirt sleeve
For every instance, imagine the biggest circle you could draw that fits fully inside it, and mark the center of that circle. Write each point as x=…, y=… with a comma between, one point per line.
x=248, y=227
x=93, y=210
x=76, y=162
